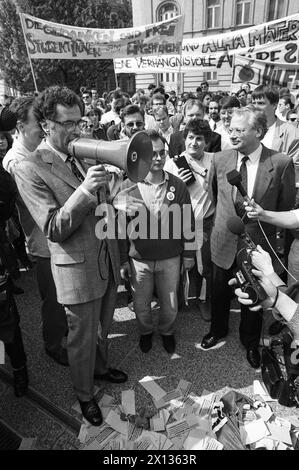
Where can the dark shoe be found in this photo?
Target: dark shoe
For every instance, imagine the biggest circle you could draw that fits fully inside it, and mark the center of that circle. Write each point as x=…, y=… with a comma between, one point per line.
x=112, y=375
x=168, y=343
x=20, y=381
x=209, y=341
x=254, y=358
x=276, y=327
x=59, y=356
x=145, y=342
x=91, y=412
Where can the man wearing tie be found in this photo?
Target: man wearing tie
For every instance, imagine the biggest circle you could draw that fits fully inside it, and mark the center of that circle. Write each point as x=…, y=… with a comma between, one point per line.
x=62, y=196
x=269, y=178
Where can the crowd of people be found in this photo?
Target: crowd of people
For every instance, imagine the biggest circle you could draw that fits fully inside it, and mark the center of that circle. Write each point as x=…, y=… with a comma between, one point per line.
x=49, y=219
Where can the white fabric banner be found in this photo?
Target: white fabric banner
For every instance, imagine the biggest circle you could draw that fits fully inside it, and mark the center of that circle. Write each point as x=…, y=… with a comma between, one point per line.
x=47, y=40
x=273, y=41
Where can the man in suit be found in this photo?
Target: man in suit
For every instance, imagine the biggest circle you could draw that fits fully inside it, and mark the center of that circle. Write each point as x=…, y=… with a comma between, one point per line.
x=269, y=178
x=29, y=136
x=193, y=109
x=62, y=197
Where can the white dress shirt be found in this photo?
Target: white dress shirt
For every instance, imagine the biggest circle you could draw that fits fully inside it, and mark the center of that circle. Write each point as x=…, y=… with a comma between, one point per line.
x=252, y=165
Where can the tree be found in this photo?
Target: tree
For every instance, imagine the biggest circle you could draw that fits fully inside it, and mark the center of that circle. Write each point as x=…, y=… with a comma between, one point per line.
x=14, y=61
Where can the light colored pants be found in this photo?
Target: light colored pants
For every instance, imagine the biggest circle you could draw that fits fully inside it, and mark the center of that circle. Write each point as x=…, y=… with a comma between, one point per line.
x=165, y=275
x=87, y=343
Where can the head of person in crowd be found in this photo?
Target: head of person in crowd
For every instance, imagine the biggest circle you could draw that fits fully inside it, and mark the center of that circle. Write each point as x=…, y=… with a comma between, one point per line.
x=94, y=95
x=95, y=116
x=119, y=104
x=242, y=96
x=284, y=91
x=185, y=96
x=197, y=134
x=162, y=117
x=228, y=103
x=249, y=98
x=5, y=143
x=198, y=92
x=179, y=105
x=140, y=91
x=246, y=87
x=173, y=97
x=193, y=108
x=247, y=128
x=132, y=119
x=284, y=105
x=206, y=98
x=7, y=100
x=158, y=99
x=266, y=99
x=87, y=98
x=214, y=110
x=159, y=151
x=150, y=89
x=8, y=119
x=140, y=100
x=293, y=117
x=62, y=112
x=29, y=130
x=87, y=130
x=204, y=87
x=113, y=96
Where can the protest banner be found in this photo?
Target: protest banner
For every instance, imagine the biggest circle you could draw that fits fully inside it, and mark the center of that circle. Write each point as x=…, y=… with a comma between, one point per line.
x=278, y=37
x=259, y=72
x=48, y=40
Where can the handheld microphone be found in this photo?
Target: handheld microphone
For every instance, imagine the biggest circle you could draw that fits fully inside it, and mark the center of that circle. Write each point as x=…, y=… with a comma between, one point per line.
x=236, y=226
x=244, y=276
x=235, y=179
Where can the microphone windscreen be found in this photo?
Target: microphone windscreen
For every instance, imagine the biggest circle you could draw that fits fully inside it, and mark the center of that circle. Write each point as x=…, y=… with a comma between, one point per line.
x=235, y=225
x=234, y=177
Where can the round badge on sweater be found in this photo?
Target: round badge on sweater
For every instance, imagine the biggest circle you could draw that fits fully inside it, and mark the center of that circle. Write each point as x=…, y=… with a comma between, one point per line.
x=170, y=196
x=172, y=189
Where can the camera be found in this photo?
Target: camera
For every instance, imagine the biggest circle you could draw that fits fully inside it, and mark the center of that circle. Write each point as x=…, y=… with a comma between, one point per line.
x=181, y=162
x=246, y=280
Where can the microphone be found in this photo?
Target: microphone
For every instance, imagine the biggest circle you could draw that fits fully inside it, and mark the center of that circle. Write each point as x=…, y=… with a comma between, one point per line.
x=237, y=226
x=235, y=179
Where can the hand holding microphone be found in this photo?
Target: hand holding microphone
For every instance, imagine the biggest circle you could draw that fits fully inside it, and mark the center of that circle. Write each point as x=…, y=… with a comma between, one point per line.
x=253, y=210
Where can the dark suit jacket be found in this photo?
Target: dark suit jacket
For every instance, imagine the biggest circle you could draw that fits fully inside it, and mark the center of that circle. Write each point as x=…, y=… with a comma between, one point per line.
x=274, y=190
x=177, y=143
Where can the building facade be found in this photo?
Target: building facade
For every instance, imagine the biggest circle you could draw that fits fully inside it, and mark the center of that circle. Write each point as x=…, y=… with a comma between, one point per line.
x=203, y=18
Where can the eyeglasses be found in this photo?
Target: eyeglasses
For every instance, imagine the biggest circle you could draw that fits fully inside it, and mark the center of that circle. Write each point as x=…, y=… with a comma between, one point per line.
x=71, y=125
x=161, y=153
x=238, y=132
x=138, y=124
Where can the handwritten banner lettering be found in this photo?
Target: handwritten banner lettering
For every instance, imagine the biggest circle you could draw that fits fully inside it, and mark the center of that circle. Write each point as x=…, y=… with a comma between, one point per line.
x=47, y=40
x=276, y=41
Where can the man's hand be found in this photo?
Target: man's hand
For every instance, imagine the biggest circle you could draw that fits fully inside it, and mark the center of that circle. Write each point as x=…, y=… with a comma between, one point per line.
x=185, y=175
x=125, y=271
x=96, y=177
x=262, y=261
x=268, y=286
x=188, y=263
x=253, y=210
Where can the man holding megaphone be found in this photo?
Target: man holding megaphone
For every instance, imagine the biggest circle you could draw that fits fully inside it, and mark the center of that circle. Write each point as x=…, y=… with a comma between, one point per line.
x=62, y=194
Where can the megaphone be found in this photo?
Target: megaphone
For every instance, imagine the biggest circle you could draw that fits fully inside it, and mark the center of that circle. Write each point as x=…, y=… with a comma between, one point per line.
x=134, y=156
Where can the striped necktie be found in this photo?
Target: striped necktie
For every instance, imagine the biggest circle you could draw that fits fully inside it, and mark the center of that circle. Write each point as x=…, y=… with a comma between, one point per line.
x=75, y=170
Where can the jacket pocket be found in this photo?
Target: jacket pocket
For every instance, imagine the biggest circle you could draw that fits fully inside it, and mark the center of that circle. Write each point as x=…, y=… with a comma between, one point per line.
x=68, y=258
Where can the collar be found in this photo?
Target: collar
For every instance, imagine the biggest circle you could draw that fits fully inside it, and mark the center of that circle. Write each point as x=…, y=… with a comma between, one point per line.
x=62, y=155
x=254, y=156
x=166, y=178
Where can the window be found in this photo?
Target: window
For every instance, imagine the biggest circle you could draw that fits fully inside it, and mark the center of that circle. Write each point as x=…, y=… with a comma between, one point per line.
x=210, y=76
x=167, y=10
x=213, y=17
x=243, y=12
x=276, y=10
